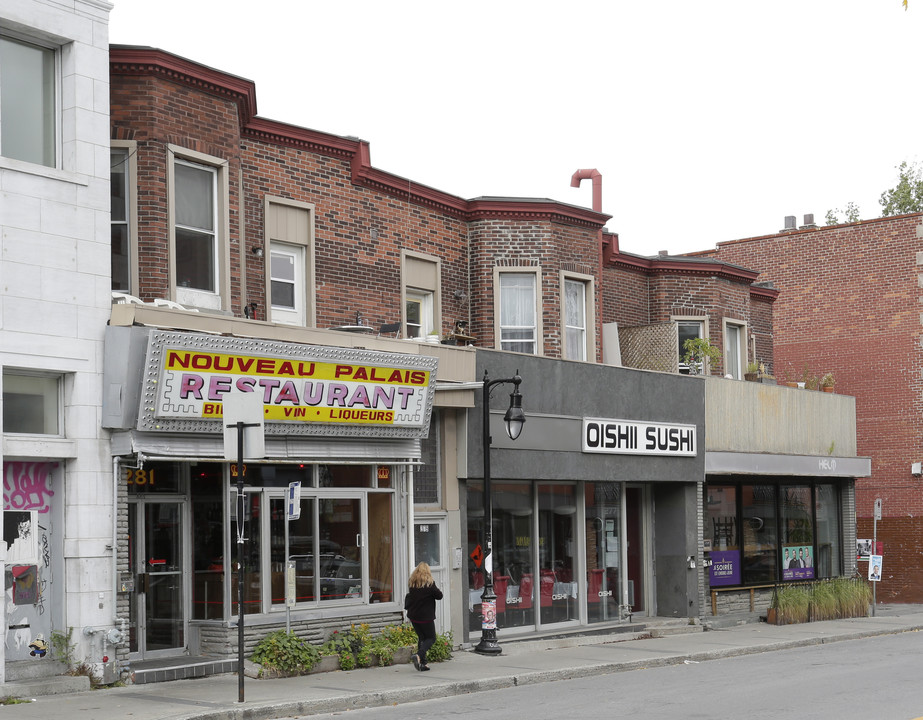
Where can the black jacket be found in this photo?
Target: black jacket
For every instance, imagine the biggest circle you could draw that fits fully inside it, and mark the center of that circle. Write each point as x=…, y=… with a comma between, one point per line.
x=420, y=603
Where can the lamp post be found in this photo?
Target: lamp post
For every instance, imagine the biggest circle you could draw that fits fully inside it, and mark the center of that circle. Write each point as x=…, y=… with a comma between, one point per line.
x=514, y=418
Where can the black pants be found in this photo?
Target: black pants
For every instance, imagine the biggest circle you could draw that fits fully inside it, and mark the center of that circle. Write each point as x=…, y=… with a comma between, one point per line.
x=426, y=637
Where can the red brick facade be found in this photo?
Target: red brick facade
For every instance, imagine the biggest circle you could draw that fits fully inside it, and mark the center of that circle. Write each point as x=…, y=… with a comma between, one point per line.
x=850, y=304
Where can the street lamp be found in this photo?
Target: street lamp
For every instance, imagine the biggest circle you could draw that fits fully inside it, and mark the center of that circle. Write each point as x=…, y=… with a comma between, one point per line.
x=514, y=418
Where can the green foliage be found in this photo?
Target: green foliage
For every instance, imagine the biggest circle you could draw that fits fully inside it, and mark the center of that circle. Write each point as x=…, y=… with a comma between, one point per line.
x=907, y=195
x=61, y=646
x=286, y=652
x=441, y=649
x=400, y=635
x=13, y=701
x=827, y=380
x=823, y=600
x=698, y=353
x=850, y=215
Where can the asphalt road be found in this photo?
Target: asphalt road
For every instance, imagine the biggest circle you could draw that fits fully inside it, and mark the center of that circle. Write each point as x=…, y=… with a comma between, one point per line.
x=877, y=678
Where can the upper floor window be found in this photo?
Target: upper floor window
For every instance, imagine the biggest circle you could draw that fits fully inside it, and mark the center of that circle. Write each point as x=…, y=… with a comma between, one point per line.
x=290, y=232
x=31, y=404
x=518, y=312
x=421, y=285
x=198, y=203
x=689, y=330
x=735, y=349
x=28, y=127
x=123, y=251
x=578, y=317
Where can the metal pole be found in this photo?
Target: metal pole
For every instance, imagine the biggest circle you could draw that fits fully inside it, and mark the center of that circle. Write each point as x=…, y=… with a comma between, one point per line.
x=874, y=552
x=240, y=561
x=488, y=644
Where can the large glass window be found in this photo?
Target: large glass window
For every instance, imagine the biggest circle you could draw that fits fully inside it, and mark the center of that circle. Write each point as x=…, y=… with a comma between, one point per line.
x=518, y=330
x=557, y=586
x=603, y=546
x=31, y=404
x=27, y=102
x=759, y=534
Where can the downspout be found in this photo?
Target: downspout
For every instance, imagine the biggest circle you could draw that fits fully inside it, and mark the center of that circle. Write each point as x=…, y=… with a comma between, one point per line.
x=597, y=178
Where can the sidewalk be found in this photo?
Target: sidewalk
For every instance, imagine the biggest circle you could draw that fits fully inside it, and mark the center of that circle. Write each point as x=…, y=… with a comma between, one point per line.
x=521, y=663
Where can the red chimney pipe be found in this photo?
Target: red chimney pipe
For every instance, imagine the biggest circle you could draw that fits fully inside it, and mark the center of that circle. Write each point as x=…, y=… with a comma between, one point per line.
x=597, y=178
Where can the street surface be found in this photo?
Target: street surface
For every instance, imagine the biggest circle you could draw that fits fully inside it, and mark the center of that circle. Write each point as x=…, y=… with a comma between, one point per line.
x=870, y=679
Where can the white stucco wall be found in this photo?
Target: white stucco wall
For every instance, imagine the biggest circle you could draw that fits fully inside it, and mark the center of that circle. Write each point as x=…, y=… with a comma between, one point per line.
x=55, y=300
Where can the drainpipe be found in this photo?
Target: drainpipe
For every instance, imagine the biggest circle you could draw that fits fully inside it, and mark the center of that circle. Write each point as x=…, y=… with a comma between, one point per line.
x=597, y=178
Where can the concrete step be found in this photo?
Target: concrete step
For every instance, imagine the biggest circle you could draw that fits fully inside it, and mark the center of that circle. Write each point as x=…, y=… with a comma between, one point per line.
x=180, y=668
x=56, y=685
x=666, y=630
x=34, y=669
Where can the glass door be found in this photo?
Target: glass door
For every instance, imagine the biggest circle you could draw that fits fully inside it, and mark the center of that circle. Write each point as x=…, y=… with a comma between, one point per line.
x=557, y=564
x=342, y=572
x=157, y=614
x=603, y=511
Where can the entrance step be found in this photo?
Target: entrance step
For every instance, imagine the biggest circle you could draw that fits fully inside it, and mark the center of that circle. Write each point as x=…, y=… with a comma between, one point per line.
x=29, y=679
x=180, y=668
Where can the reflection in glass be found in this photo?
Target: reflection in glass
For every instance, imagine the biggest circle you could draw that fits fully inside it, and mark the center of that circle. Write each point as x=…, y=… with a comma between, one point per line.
x=557, y=586
x=829, y=553
x=603, y=506
x=758, y=530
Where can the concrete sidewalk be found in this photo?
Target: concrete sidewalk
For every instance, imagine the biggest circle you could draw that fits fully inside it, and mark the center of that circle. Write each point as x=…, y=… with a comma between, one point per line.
x=521, y=663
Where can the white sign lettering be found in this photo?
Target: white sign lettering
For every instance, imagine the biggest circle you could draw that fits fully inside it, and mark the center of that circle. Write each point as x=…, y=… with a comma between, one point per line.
x=631, y=437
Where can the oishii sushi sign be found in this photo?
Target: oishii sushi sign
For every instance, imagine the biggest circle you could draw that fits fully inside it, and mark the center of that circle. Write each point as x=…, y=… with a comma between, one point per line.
x=315, y=385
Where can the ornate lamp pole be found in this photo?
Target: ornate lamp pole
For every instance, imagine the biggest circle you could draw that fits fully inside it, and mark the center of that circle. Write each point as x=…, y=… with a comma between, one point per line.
x=514, y=418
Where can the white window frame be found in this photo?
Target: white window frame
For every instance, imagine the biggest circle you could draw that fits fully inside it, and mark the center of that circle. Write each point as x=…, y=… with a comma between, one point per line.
x=538, y=338
x=424, y=299
x=587, y=331
x=53, y=397
x=56, y=112
x=130, y=150
x=290, y=237
x=702, y=322
x=219, y=299
x=730, y=326
x=295, y=313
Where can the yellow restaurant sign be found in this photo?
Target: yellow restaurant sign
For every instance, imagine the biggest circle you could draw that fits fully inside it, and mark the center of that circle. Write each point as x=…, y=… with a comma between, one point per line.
x=305, y=387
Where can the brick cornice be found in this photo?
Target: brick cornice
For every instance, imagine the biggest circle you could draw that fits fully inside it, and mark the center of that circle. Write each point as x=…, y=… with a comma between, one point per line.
x=140, y=61
x=682, y=265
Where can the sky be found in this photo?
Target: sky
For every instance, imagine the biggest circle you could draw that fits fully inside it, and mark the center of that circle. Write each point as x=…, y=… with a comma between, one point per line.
x=709, y=120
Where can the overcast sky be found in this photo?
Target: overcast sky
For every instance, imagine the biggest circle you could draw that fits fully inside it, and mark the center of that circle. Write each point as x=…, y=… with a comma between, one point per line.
x=709, y=120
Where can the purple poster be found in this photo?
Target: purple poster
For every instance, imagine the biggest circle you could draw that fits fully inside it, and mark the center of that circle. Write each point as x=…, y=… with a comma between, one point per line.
x=725, y=567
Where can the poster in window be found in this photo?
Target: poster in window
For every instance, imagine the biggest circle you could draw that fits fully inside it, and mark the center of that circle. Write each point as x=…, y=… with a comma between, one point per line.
x=725, y=568
x=798, y=562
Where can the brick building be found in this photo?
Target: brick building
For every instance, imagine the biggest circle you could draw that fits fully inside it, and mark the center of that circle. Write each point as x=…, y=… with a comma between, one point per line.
x=849, y=304
x=249, y=252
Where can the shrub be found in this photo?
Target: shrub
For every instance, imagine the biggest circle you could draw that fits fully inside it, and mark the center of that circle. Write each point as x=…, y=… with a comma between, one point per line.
x=286, y=652
x=441, y=649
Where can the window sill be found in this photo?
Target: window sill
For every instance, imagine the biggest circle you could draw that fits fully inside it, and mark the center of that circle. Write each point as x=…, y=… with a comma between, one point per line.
x=42, y=171
x=35, y=446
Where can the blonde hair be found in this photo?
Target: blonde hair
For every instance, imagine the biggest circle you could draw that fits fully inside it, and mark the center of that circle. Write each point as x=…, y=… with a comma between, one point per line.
x=421, y=576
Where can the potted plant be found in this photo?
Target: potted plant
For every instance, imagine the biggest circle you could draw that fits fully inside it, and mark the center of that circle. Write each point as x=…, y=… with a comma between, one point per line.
x=826, y=382
x=699, y=354
x=753, y=372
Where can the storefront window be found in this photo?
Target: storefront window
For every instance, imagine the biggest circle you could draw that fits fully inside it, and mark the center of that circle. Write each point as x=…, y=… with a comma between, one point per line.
x=300, y=550
x=602, y=517
x=557, y=586
x=206, y=487
x=381, y=552
x=758, y=529
x=781, y=533
x=512, y=536
x=342, y=476
x=722, y=531
x=253, y=579
x=797, y=533
x=829, y=560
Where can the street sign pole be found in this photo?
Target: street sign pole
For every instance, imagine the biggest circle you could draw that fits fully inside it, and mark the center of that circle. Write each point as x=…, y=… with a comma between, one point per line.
x=876, y=516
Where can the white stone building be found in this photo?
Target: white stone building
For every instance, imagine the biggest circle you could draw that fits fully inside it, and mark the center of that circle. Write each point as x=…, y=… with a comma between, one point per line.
x=55, y=296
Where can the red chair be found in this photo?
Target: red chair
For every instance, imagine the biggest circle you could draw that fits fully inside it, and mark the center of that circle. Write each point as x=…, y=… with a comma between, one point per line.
x=546, y=587
x=477, y=580
x=501, y=583
x=525, y=592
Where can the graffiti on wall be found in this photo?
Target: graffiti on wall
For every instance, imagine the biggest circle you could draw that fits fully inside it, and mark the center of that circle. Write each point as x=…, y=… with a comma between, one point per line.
x=27, y=495
x=27, y=486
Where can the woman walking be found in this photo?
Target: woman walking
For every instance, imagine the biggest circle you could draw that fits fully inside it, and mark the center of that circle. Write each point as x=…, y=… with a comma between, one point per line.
x=420, y=604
